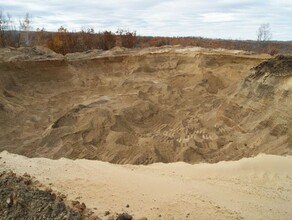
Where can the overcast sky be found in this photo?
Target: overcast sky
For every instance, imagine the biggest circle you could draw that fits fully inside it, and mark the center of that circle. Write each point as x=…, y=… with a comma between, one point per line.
x=229, y=19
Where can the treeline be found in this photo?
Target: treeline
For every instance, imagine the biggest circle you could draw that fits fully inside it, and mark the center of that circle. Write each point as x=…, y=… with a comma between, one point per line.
x=65, y=42
x=61, y=41
x=270, y=47
x=69, y=42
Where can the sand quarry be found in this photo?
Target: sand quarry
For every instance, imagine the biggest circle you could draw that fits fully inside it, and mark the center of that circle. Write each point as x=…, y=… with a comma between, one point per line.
x=159, y=133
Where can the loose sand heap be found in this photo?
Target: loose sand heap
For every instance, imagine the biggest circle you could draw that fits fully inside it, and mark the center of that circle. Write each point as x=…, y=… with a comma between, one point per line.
x=251, y=188
x=144, y=106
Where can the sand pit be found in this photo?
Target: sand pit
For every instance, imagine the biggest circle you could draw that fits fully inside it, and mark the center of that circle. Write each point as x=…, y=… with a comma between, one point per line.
x=184, y=107
x=144, y=106
x=251, y=188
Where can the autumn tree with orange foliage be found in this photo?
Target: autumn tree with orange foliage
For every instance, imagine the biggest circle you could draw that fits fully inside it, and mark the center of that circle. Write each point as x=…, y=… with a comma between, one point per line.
x=39, y=36
x=127, y=38
x=59, y=42
x=107, y=40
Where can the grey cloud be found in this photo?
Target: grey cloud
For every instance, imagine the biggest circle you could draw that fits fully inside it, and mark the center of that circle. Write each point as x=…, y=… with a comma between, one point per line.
x=217, y=19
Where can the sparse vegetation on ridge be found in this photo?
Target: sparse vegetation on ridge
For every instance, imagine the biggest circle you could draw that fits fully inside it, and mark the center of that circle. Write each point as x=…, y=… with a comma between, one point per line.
x=64, y=41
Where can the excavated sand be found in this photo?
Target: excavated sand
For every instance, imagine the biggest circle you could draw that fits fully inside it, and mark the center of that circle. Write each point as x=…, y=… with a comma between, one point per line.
x=251, y=188
x=147, y=106
x=144, y=106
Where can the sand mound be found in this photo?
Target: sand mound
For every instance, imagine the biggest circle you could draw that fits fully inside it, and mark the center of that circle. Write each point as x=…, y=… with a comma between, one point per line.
x=279, y=66
x=27, y=53
x=143, y=106
x=268, y=90
x=251, y=188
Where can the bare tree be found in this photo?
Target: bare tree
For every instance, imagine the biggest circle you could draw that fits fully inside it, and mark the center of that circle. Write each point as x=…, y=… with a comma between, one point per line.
x=264, y=32
x=25, y=27
x=62, y=29
x=5, y=25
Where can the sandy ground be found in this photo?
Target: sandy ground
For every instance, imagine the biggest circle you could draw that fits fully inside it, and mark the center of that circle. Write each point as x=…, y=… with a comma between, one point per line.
x=145, y=106
x=251, y=188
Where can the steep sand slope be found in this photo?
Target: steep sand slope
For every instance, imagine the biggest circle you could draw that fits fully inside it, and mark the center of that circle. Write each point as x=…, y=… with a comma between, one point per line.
x=144, y=106
x=252, y=188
